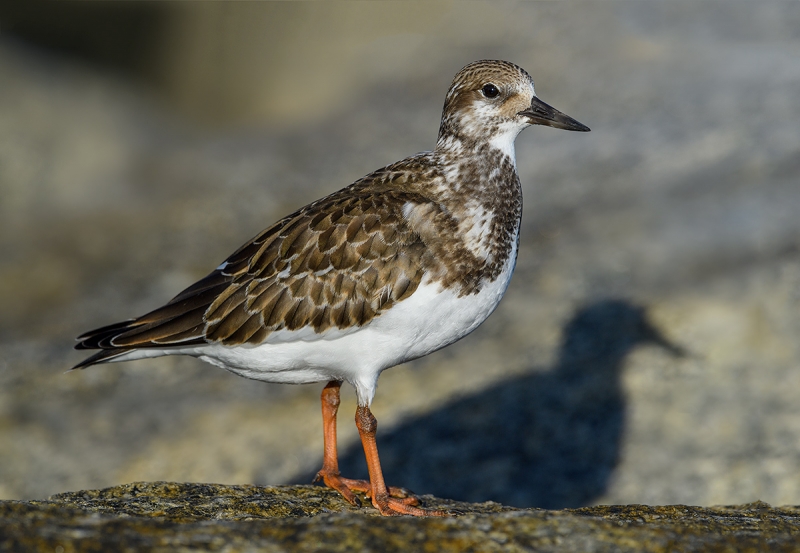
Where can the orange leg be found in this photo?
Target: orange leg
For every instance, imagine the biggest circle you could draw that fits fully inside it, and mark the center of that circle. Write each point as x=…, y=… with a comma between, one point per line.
x=382, y=499
x=329, y=473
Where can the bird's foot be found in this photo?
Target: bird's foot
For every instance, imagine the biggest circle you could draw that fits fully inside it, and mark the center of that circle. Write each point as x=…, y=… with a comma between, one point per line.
x=346, y=487
x=393, y=506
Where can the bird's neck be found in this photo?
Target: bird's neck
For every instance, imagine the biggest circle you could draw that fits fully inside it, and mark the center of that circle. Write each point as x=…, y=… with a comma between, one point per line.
x=456, y=146
x=480, y=167
x=480, y=187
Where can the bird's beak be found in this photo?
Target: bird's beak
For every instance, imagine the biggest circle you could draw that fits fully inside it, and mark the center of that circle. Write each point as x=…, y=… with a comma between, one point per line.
x=541, y=113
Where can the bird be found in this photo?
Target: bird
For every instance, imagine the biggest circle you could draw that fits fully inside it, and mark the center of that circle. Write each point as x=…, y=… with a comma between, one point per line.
x=401, y=263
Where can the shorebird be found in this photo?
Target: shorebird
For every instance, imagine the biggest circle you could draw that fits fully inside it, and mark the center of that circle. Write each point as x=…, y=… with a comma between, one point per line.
x=399, y=264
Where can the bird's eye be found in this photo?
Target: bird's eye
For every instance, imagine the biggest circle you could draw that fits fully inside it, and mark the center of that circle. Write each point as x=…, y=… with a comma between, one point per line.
x=490, y=91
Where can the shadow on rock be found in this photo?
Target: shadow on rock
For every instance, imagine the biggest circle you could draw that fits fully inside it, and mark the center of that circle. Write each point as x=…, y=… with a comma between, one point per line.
x=547, y=439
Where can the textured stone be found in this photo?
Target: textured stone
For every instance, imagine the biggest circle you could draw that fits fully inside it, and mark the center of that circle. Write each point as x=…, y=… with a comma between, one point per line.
x=161, y=516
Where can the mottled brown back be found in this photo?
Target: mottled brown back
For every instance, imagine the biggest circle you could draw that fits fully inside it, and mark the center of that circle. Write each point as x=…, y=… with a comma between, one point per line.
x=336, y=263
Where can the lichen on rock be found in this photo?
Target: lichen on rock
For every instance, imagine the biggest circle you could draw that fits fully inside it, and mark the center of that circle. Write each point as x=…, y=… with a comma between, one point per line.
x=161, y=516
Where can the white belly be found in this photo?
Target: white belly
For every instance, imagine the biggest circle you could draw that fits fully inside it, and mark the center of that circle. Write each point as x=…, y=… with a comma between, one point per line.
x=430, y=319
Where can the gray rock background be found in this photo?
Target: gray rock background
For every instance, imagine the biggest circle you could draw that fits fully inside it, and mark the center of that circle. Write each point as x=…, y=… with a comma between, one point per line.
x=140, y=144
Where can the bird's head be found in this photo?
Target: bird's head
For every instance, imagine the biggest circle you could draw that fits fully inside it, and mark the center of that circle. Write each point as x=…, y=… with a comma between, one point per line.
x=492, y=101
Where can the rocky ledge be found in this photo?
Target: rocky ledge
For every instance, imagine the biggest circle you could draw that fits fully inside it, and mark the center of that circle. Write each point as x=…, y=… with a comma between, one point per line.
x=161, y=516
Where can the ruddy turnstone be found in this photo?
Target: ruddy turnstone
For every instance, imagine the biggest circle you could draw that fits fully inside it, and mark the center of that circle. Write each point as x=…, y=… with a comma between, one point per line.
x=399, y=264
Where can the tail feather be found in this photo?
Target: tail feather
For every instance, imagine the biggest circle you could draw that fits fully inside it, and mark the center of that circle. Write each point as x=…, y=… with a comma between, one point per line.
x=102, y=356
x=179, y=323
x=159, y=333
x=88, y=340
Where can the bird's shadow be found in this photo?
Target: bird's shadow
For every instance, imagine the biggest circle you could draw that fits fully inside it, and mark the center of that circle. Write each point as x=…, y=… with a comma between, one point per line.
x=548, y=439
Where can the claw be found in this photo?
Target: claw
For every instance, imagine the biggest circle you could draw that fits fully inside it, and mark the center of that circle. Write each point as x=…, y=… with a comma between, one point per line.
x=390, y=506
x=341, y=485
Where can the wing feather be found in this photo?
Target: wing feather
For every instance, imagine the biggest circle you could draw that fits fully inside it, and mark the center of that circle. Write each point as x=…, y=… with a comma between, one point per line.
x=338, y=262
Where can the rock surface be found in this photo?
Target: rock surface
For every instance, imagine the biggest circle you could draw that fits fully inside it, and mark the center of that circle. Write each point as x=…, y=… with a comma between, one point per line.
x=162, y=516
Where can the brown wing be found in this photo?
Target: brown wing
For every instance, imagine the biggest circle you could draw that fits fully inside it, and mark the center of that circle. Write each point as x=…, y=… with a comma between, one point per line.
x=336, y=263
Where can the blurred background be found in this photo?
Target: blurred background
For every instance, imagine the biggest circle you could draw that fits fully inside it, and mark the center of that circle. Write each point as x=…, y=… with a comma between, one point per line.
x=647, y=349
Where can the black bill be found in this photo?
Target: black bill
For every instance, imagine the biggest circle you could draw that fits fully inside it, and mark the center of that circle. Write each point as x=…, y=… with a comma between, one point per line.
x=541, y=113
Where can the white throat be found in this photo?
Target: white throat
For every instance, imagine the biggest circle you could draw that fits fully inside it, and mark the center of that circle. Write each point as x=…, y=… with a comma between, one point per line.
x=504, y=141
